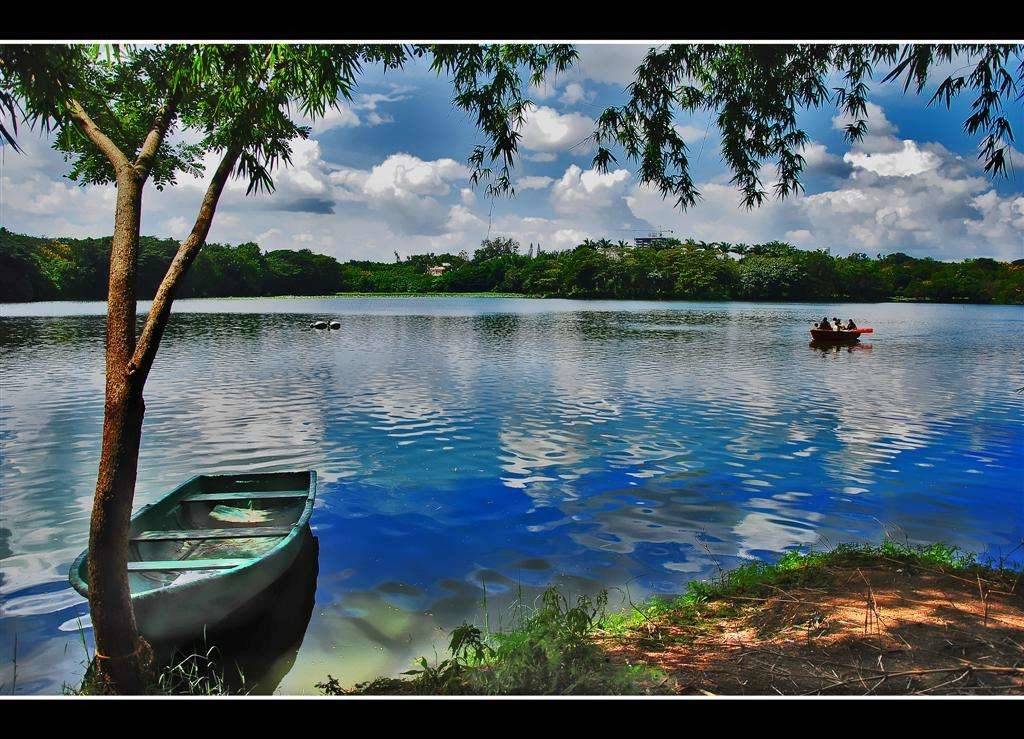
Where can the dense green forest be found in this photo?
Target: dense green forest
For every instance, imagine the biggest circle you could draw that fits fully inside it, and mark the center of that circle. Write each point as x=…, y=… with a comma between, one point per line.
x=35, y=268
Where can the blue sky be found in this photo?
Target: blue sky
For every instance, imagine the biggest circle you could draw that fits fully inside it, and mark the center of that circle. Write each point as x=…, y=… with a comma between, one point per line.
x=388, y=173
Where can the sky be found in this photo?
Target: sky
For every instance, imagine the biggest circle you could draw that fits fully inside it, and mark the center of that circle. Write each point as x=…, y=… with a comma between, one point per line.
x=387, y=173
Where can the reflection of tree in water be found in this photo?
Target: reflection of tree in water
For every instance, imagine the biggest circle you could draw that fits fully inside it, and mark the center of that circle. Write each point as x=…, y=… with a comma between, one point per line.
x=496, y=327
x=187, y=328
x=5, y=552
x=672, y=325
x=42, y=333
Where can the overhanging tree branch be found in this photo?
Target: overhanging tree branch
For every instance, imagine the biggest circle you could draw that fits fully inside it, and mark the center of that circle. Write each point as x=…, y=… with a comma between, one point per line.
x=155, y=137
x=160, y=310
x=92, y=132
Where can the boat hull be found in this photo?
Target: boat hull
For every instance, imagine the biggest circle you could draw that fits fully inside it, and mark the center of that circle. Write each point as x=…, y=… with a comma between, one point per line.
x=175, y=614
x=835, y=336
x=181, y=610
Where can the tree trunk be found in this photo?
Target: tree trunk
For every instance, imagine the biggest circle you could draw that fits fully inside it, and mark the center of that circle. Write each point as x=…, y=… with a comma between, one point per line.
x=120, y=653
x=123, y=658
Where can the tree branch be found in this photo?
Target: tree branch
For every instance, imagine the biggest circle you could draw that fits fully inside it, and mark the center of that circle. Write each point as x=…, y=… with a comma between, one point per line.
x=155, y=137
x=92, y=132
x=160, y=310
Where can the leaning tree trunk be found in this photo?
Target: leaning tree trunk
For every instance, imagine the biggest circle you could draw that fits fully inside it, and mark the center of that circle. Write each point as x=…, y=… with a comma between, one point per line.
x=120, y=658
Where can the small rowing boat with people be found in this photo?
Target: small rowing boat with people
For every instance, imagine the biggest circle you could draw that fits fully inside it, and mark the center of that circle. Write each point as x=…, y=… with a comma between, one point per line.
x=832, y=335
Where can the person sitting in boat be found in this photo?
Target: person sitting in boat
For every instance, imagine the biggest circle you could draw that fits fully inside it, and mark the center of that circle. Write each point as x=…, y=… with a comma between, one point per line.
x=838, y=324
x=851, y=326
x=824, y=325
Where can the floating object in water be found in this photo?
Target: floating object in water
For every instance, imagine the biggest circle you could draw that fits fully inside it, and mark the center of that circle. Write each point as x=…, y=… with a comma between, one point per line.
x=209, y=547
x=852, y=335
x=335, y=324
x=318, y=324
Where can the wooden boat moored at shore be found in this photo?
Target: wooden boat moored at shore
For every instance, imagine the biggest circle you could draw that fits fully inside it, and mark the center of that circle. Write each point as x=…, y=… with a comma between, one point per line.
x=209, y=547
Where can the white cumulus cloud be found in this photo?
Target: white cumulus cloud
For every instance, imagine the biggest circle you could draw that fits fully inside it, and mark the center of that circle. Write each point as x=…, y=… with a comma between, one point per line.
x=574, y=93
x=587, y=191
x=403, y=174
x=909, y=160
x=610, y=63
x=547, y=130
x=405, y=188
x=533, y=182
x=886, y=194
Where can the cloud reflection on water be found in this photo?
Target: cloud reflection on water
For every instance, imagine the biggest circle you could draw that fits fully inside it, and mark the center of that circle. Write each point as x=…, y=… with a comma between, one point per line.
x=516, y=443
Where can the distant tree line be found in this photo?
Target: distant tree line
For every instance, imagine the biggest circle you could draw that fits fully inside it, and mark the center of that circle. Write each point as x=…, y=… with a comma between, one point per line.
x=34, y=268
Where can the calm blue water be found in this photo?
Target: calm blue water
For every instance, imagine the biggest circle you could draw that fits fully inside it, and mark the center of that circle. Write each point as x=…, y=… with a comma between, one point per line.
x=466, y=444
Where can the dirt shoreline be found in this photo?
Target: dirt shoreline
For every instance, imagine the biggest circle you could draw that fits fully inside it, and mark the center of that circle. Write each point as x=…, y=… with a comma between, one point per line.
x=883, y=627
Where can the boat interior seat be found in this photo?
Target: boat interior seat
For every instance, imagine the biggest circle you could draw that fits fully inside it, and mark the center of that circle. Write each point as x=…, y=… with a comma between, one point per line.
x=249, y=495
x=246, y=532
x=186, y=564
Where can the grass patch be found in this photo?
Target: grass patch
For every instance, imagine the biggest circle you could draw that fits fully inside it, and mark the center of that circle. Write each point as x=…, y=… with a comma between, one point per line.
x=195, y=674
x=794, y=569
x=556, y=648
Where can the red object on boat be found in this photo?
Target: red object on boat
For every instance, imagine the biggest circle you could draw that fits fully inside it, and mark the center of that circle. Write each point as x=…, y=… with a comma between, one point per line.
x=825, y=335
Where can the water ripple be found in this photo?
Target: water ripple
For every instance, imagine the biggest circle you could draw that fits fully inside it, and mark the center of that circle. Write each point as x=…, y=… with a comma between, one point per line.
x=467, y=444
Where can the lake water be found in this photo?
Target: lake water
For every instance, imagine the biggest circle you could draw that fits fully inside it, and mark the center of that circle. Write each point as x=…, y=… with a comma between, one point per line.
x=466, y=445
